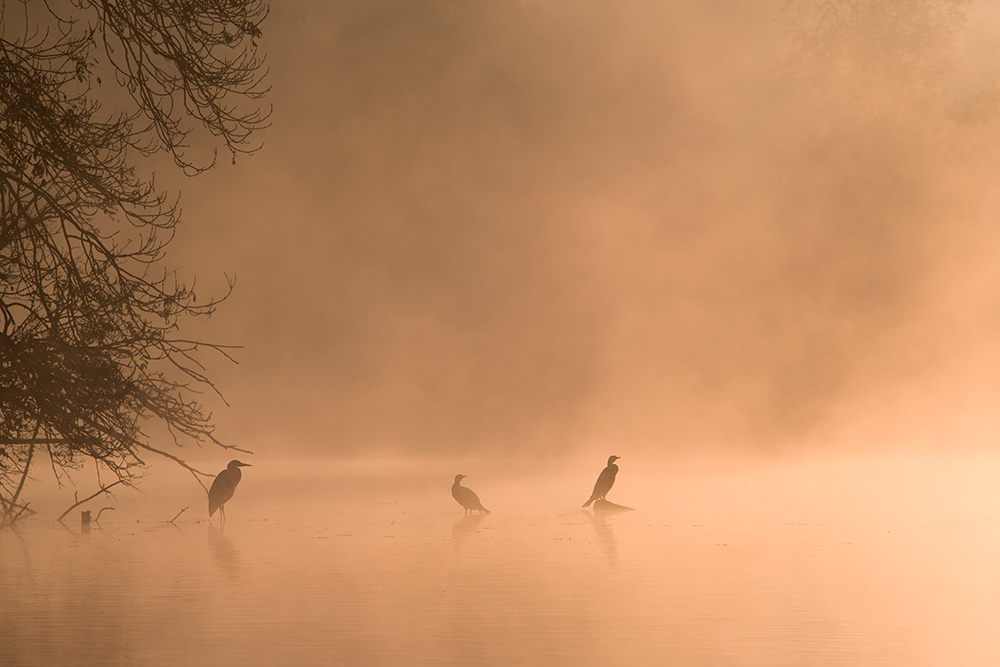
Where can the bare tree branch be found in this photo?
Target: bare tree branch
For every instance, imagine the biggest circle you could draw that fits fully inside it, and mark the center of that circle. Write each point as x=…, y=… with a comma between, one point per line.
x=103, y=489
x=89, y=317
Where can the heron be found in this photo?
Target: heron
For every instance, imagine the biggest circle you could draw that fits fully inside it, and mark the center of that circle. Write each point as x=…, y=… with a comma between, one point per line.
x=223, y=488
x=604, y=481
x=466, y=497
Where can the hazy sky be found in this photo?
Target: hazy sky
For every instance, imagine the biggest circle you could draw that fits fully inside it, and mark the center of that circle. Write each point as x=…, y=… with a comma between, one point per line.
x=525, y=226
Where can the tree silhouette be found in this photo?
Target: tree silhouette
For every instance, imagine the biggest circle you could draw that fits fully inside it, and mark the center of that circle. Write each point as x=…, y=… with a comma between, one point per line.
x=90, y=345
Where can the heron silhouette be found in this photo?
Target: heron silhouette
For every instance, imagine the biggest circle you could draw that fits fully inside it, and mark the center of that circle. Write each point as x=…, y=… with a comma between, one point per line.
x=223, y=488
x=604, y=481
x=466, y=497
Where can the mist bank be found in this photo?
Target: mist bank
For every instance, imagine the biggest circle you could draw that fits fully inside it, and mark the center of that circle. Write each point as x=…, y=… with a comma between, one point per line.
x=523, y=227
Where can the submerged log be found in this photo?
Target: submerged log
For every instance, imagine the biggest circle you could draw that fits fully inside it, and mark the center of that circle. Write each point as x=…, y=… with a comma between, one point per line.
x=605, y=507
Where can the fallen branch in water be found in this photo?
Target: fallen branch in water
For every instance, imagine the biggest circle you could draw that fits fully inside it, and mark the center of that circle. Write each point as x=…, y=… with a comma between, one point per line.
x=97, y=519
x=11, y=517
x=103, y=489
x=178, y=514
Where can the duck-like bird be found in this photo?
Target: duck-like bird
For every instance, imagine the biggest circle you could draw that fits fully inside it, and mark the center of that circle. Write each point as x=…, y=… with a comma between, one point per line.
x=466, y=497
x=605, y=481
x=223, y=487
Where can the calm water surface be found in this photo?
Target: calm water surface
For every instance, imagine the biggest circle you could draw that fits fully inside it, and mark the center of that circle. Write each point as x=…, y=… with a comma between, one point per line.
x=872, y=563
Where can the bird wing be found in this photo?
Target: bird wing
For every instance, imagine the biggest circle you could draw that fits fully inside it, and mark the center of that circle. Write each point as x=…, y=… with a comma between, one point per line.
x=466, y=497
x=222, y=490
x=604, y=482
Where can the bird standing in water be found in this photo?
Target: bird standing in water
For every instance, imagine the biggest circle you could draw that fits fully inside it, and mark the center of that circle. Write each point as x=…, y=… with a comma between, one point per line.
x=466, y=497
x=223, y=488
x=605, y=481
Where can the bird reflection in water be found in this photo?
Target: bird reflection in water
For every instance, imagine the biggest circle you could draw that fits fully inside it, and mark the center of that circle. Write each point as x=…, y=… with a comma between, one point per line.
x=223, y=550
x=466, y=526
x=605, y=535
x=602, y=510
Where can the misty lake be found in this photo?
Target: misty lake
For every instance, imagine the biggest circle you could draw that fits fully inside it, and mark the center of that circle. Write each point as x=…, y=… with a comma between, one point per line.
x=850, y=562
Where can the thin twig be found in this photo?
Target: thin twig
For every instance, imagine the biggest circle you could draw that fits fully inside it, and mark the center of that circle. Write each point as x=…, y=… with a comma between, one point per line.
x=103, y=489
x=24, y=475
x=24, y=508
x=178, y=514
x=195, y=474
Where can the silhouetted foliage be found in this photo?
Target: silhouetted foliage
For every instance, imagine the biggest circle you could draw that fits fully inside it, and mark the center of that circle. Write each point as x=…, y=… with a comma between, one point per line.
x=89, y=320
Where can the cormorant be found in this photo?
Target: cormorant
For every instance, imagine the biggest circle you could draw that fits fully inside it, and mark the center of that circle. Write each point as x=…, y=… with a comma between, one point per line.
x=466, y=497
x=605, y=481
x=223, y=487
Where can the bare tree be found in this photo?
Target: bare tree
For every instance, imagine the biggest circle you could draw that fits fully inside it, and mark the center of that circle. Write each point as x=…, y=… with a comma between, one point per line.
x=90, y=344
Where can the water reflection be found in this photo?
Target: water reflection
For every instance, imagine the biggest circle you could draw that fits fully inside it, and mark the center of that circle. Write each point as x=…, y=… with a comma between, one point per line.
x=805, y=575
x=604, y=509
x=605, y=535
x=69, y=530
x=223, y=550
x=464, y=528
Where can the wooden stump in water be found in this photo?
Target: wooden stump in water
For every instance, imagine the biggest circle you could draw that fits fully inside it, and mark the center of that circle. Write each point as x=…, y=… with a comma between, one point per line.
x=85, y=521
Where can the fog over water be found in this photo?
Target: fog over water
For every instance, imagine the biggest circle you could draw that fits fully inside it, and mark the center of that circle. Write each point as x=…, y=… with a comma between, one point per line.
x=510, y=226
x=830, y=561
x=750, y=248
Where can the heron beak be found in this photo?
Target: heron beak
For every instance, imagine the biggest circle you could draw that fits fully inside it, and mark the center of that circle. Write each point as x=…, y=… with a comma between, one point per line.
x=245, y=465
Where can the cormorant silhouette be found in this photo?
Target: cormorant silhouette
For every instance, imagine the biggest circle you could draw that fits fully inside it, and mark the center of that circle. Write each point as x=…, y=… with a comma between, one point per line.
x=605, y=481
x=223, y=488
x=466, y=497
